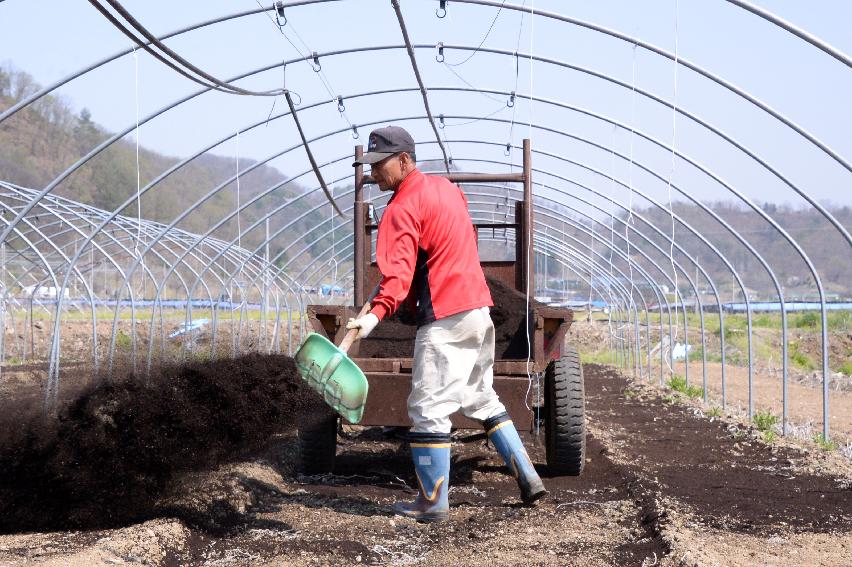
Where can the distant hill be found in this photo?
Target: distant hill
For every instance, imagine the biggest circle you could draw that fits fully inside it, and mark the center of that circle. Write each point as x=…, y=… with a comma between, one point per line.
x=45, y=138
x=821, y=242
x=42, y=140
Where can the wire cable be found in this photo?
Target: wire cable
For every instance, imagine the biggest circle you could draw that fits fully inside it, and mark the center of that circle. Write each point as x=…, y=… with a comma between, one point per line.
x=672, y=170
x=469, y=57
x=308, y=57
x=311, y=154
x=171, y=58
x=410, y=50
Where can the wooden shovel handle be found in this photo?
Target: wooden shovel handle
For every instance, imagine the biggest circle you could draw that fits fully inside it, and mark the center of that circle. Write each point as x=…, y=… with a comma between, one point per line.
x=353, y=333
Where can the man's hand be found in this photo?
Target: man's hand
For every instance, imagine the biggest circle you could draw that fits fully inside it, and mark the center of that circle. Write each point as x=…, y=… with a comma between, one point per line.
x=365, y=324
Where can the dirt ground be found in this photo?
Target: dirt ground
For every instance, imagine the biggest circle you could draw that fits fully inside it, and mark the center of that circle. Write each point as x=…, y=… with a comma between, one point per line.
x=804, y=396
x=663, y=485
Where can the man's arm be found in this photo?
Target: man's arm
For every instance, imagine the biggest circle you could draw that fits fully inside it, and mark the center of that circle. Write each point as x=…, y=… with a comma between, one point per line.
x=396, y=255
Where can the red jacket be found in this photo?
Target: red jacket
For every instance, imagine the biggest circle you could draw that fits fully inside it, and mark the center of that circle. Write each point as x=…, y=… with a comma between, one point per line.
x=426, y=251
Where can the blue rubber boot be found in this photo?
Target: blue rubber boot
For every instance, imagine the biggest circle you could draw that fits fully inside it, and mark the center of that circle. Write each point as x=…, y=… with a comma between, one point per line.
x=501, y=431
x=431, y=454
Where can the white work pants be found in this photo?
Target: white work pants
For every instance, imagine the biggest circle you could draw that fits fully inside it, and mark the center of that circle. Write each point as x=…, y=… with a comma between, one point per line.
x=453, y=370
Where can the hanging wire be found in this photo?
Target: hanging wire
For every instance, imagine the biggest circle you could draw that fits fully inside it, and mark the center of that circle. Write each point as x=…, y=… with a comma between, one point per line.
x=530, y=229
x=672, y=170
x=630, y=220
x=475, y=51
x=515, y=87
x=500, y=109
x=237, y=159
x=611, y=223
x=469, y=84
x=408, y=47
x=138, y=171
x=311, y=58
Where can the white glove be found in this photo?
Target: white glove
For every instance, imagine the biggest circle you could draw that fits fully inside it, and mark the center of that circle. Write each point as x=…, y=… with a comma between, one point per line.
x=366, y=324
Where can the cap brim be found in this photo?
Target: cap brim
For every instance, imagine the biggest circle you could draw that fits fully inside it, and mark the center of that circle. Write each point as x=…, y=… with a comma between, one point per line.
x=371, y=157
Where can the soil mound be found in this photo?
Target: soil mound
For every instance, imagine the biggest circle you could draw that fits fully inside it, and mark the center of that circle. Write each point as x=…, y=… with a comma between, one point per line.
x=109, y=453
x=395, y=339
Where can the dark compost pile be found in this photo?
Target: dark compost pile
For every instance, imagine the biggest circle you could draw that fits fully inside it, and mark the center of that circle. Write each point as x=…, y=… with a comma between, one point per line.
x=394, y=339
x=110, y=452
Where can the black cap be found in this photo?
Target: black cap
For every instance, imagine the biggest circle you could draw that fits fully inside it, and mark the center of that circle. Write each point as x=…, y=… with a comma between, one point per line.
x=384, y=142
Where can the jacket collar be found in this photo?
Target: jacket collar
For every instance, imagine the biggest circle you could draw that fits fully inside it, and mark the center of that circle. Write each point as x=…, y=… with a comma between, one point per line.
x=413, y=178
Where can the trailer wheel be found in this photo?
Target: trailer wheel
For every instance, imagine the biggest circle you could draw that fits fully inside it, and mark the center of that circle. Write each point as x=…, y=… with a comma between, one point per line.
x=565, y=430
x=317, y=442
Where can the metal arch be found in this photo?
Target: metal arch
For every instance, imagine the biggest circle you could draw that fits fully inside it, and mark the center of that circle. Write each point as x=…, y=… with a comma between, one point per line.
x=309, y=245
x=751, y=204
x=825, y=214
x=815, y=275
x=652, y=262
x=742, y=240
x=728, y=264
x=789, y=240
x=603, y=274
x=623, y=255
x=58, y=201
x=765, y=15
x=57, y=330
x=679, y=60
x=721, y=324
x=319, y=138
x=800, y=33
x=540, y=212
x=614, y=294
x=782, y=311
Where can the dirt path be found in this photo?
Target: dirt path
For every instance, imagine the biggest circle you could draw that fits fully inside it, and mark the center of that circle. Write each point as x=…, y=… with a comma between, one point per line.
x=662, y=486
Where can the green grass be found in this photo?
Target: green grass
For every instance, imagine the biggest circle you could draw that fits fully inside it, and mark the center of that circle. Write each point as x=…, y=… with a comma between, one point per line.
x=800, y=359
x=678, y=384
x=122, y=341
x=736, y=323
x=825, y=444
x=606, y=356
x=715, y=411
x=846, y=368
x=768, y=436
x=807, y=320
x=764, y=420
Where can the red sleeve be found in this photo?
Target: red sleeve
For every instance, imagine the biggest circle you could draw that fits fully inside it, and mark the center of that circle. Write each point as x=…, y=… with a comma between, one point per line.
x=396, y=255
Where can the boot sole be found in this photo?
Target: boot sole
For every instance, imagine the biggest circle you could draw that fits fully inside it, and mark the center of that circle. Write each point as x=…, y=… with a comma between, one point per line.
x=425, y=518
x=533, y=498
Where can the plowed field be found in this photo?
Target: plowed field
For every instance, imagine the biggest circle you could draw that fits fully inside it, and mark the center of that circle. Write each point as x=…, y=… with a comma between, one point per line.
x=662, y=486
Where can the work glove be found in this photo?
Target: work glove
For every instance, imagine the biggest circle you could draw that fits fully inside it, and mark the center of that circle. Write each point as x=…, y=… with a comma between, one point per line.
x=365, y=324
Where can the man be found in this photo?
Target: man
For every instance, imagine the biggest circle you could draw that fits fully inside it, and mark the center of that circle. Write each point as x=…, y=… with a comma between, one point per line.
x=427, y=254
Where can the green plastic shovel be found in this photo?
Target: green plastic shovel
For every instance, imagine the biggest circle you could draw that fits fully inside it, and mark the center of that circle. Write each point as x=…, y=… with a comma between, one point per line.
x=329, y=371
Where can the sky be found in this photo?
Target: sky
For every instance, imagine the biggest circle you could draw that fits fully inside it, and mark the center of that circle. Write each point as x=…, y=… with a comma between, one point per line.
x=51, y=39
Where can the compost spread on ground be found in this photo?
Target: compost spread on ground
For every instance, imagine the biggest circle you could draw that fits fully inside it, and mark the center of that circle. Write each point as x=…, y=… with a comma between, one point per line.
x=109, y=452
x=392, y=338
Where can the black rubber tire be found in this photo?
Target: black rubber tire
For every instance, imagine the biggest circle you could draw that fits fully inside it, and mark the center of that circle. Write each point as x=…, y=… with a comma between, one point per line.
x=317, y=442
x=565, y=429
